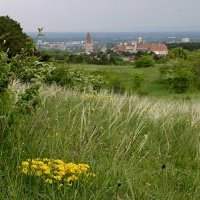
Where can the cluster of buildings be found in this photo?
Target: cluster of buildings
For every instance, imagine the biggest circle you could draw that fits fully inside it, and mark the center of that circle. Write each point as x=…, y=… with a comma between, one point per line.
x=62, y=46
x=51, y=45
x=159, y=49
x=88, y=46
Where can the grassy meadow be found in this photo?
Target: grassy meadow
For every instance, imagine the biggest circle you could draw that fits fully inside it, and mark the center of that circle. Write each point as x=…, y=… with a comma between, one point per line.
x=140, y=148
x=124, y=76
x=97, y=130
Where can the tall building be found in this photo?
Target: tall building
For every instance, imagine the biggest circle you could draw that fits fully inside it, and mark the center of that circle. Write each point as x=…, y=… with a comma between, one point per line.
x=140, y=40
x=89, y=45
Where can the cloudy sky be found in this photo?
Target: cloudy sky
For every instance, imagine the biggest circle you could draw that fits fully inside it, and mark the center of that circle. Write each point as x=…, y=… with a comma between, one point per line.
x=104, y=15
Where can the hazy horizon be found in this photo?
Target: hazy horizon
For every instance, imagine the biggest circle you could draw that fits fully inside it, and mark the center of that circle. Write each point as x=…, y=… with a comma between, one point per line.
x=105, y=15
x=123, y=32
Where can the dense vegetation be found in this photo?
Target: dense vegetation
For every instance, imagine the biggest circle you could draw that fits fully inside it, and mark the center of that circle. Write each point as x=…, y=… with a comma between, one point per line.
x=12, y=38
x=99, y=58
x=139, y=148
x=189, y=46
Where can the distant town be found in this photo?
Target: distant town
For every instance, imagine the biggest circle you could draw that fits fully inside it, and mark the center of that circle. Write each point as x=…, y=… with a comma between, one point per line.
x=118, y=44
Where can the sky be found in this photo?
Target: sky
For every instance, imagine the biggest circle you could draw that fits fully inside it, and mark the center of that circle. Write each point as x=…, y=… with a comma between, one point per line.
x=104, y=15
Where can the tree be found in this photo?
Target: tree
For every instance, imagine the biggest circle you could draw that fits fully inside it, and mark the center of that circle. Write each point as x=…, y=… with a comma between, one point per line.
x=178, y=76
x=4, y=72
x=178, y=53
x=12, y=38
x=145, y=61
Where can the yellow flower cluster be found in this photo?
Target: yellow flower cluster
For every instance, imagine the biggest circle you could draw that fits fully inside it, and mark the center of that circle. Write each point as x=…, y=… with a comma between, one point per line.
x=55, y=171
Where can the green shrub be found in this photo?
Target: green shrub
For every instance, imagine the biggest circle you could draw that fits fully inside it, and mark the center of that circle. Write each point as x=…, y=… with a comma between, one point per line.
x=180, y=84
x=4, y=72
x=75, y=79
x=138, y=79
x=28, y=69
x=178, y=53
x=178, y=76
x=29, y=100
x=145, y=61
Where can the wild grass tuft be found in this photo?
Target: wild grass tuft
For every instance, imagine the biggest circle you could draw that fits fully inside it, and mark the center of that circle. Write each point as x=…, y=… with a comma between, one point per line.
x=139, y=148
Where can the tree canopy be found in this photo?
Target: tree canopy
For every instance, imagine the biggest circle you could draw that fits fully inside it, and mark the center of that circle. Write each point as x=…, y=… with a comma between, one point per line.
x=12, y=38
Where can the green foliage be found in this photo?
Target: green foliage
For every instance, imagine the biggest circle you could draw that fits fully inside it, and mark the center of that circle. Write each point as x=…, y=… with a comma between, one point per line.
x=29, y=69
x=178, y=76
x=44, y=56
x=191, y=46
x=104, y=59
x=76, y=58
x=178, y=53
x=12, y=38
x=144, y=61
x=53, y=55
x=116, y=85
x=29, y=100
x=6, y=106
x=139, y=148
x=99, y=58
x=4, y=72
x=138, y=81
x=75, y=79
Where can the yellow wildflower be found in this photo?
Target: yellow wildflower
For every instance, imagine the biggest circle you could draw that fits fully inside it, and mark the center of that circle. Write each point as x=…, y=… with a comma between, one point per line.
x=50, y=181
x=59, y=162
x=72, y=178
x=38, y=173
x=25, y=164
x=34, y=167
x=55, y=171
x=24, y=170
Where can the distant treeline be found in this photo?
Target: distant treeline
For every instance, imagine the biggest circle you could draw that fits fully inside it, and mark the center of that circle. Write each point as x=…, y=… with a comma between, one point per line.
x=189, y=46
x=100, y=58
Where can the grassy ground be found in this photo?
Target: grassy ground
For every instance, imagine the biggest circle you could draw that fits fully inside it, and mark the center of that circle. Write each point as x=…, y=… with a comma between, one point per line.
x=139, y=148
x=124, y=76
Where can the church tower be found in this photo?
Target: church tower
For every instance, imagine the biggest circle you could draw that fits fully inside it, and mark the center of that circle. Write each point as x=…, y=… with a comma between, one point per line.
x=89, y=45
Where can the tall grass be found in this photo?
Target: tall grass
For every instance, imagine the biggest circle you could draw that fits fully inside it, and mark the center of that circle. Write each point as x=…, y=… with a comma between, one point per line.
x=139, y=148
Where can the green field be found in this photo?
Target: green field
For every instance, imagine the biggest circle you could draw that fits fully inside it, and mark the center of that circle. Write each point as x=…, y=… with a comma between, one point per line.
x=139, y=148
x=124, y=75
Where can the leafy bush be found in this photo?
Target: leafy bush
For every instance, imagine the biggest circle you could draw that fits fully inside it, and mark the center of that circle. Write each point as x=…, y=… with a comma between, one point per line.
x=191, y=46
x=4, y=72
x=178, y=76
x=29, y=69
x=75, y=79
x=178, y=53
x=44, y=57
x=29, y=100
x=145, y=61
